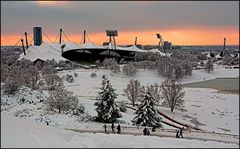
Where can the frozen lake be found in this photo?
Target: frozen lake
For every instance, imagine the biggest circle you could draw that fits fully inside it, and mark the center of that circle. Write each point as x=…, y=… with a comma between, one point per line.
x=222, y=84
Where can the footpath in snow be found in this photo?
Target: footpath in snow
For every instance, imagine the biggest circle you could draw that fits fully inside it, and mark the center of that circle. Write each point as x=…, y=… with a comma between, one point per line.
x=17, y=132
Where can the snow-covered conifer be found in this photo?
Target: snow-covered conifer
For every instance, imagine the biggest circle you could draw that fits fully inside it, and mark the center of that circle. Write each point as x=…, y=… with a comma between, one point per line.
x=107, y=109
x=147, y=114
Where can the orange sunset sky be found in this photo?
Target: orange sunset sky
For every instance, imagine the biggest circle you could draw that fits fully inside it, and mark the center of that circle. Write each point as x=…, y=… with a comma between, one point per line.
x=182, y=23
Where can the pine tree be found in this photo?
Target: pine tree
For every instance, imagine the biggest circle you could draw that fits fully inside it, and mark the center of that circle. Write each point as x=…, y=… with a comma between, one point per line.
x=107, y=109
x=147, y=115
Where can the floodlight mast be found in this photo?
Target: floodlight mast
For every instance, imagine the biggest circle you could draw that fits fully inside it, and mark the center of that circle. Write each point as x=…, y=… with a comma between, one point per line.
x=112, y=34
x=162, y=43
x=60, y=36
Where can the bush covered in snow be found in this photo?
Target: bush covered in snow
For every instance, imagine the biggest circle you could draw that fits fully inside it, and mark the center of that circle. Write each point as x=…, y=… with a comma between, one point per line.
x=93, y=74
x=61, y=100
x=11, y=86
x=111, y=63
x=146, y=56
x=50, y=79
x=69, y=78
x=122, y=106
x=75, y=74
x=20, y=73
x=80, y=109
x=209, y=66
x=98, y=63
x=129, y=69
x=174, y=68
x=10, y=54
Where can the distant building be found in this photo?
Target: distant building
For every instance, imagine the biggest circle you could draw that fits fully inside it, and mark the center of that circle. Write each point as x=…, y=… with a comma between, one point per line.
x=167, y=45
x=37, y=35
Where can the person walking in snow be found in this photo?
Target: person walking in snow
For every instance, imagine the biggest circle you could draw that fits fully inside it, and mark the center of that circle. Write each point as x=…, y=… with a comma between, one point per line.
x=177, y=134
x=180, y=135
x=145, y=131
x=153, y=128
x=112, y=126
x=119, y=128
x=148, y=132
x=105, y=127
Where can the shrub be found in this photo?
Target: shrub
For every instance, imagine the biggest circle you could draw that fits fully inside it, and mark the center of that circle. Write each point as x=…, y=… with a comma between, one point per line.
x=61, y=100
x=69, y=78
x=129, y=69
x=79, y=110
x=75, y=74
x=122, y=106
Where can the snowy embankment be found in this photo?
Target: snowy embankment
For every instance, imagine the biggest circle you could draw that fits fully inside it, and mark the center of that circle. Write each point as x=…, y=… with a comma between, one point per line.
x=16, y=132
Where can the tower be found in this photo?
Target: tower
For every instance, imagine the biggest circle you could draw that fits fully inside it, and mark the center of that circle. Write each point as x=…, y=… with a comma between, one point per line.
x=37, y=35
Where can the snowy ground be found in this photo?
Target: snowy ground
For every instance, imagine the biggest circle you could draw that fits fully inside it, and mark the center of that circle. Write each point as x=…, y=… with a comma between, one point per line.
x=213, y=110
x=16, y=132
x=222, y=110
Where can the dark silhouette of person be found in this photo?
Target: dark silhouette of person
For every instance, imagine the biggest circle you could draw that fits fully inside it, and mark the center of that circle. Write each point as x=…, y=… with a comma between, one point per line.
x=105, y=127
x=177, y=134
x=153, y=128
x=112, y=126
x=145, y=131
x=180, y=135
x=119, y=128
x=148, y=132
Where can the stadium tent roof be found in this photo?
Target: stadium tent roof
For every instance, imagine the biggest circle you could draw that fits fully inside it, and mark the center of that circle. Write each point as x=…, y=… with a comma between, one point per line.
x=53, y=50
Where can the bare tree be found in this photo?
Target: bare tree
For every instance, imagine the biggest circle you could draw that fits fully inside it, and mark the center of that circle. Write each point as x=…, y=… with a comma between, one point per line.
x=155, y=91
x=172, y=93
x=129, y=69
x=133, y=91
x=209, y=66
x=61, y=100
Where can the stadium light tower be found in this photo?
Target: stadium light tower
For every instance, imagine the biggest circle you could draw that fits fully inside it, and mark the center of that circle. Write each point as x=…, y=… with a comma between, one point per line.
x=161, y=41
x=112, y=34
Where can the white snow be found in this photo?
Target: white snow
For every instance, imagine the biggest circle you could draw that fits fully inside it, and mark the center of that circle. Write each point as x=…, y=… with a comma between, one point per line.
x=217, y=111
x=16, y=132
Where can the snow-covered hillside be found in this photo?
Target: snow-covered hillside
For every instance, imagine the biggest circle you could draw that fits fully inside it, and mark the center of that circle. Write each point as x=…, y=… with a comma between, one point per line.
x=212, y=110
x=222, y=108
x=16, y=132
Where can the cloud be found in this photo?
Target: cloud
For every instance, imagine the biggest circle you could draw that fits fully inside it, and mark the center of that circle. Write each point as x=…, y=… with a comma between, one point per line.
x=125, y=16
x=52, y=3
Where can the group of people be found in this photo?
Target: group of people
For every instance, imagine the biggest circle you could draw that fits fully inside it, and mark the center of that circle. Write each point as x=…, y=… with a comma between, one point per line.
x=146, y=131
x=118, y=128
